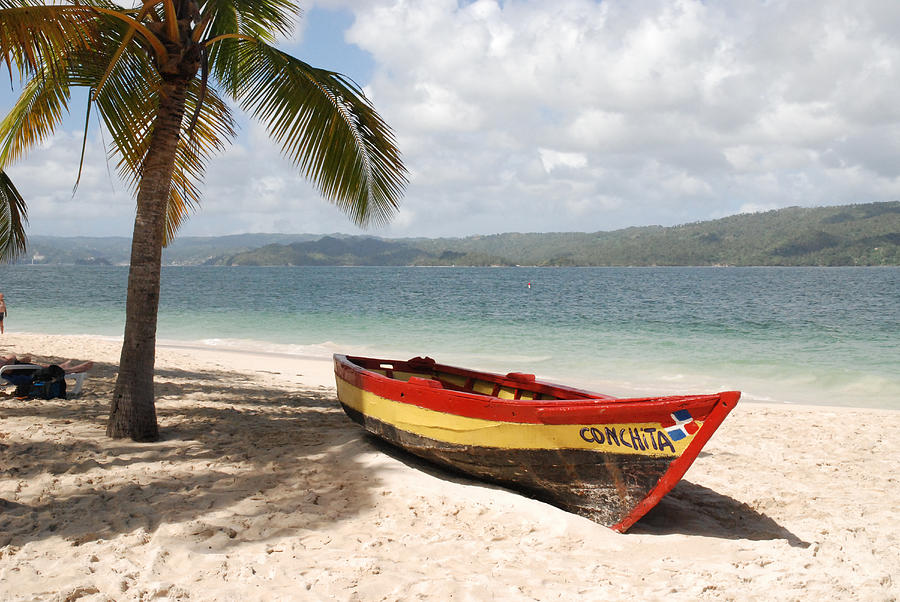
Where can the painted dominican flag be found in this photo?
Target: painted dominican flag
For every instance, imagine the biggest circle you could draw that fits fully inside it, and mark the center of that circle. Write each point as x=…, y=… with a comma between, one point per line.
x=683, y=425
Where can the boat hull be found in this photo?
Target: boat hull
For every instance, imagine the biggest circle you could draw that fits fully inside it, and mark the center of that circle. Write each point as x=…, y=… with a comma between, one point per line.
x=603, y=487
x=607, y=459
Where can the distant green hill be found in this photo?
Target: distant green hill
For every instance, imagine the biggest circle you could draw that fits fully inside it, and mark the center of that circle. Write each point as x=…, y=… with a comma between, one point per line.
x=865, y=235
x=109, y=250
x=327, y=251
x=827, y=236
x=356, y=250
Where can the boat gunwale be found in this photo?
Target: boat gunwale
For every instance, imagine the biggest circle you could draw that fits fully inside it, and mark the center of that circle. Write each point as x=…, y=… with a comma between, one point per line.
x=507, y=380
x=596, y=409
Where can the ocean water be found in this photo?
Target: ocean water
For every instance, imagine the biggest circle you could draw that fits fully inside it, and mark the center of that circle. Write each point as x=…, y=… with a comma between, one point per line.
x=828, y=336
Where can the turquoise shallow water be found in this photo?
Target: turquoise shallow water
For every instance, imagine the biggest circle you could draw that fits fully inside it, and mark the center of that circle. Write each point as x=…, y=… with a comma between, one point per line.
x=799, y=335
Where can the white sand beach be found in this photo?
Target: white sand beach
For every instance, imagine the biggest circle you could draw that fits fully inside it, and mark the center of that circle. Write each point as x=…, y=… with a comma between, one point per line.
x=262, y=489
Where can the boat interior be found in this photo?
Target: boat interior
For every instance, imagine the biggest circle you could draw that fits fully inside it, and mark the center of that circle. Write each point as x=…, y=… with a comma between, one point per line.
x=515, y=385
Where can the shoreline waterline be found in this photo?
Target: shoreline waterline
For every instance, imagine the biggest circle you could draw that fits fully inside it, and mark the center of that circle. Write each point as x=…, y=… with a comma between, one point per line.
x=799, y=335
x=316, y=360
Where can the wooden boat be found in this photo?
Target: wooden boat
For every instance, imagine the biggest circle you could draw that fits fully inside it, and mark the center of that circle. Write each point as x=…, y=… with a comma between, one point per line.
x=605, y=458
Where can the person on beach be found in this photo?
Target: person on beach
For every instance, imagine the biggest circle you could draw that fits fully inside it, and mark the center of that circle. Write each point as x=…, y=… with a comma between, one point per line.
x=2, y=313
x=69, y=366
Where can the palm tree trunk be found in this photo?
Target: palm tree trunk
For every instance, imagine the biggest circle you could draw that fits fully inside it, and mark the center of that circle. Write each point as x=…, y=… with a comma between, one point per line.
x=133, y=410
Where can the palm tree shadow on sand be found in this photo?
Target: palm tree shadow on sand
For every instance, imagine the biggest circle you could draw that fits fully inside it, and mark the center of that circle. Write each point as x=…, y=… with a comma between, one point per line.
x=688, y=509
x=228, y=461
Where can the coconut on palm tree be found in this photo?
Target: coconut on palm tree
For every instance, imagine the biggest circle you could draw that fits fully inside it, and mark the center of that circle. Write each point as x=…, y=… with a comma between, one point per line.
x=158, y=75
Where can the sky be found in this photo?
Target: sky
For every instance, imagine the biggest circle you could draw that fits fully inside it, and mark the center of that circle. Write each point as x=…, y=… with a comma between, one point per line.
x=537, y=116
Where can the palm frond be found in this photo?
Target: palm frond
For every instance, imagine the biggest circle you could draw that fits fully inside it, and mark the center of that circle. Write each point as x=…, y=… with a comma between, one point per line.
x=34, y=116
x=213, y=127
x=13, y=217
x=326, y=126
x=34, y=37
x=258, y=20
x=261, y=20
x=45, y=96
x=128, y=103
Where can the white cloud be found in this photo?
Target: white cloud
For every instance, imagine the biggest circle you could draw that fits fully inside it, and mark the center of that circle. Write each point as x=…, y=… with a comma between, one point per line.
x=438, y=108
x=552, y=159
x=756, y=208
x=584, y=115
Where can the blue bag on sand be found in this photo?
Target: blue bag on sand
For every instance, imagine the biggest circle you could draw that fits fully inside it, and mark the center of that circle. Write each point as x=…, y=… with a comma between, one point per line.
x=46, y=383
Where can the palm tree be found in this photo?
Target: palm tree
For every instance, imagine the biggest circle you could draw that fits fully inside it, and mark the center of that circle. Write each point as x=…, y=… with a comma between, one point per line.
x=158, y=74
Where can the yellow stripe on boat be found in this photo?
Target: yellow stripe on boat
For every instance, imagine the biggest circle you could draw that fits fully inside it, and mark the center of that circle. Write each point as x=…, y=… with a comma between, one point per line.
x=648, y=439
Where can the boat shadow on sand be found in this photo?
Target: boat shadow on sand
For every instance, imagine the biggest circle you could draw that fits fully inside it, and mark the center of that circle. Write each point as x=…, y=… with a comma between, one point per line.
x=689, y=509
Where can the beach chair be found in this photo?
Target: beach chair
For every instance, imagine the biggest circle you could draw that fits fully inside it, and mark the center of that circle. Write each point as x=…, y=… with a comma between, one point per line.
x=21, y=374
